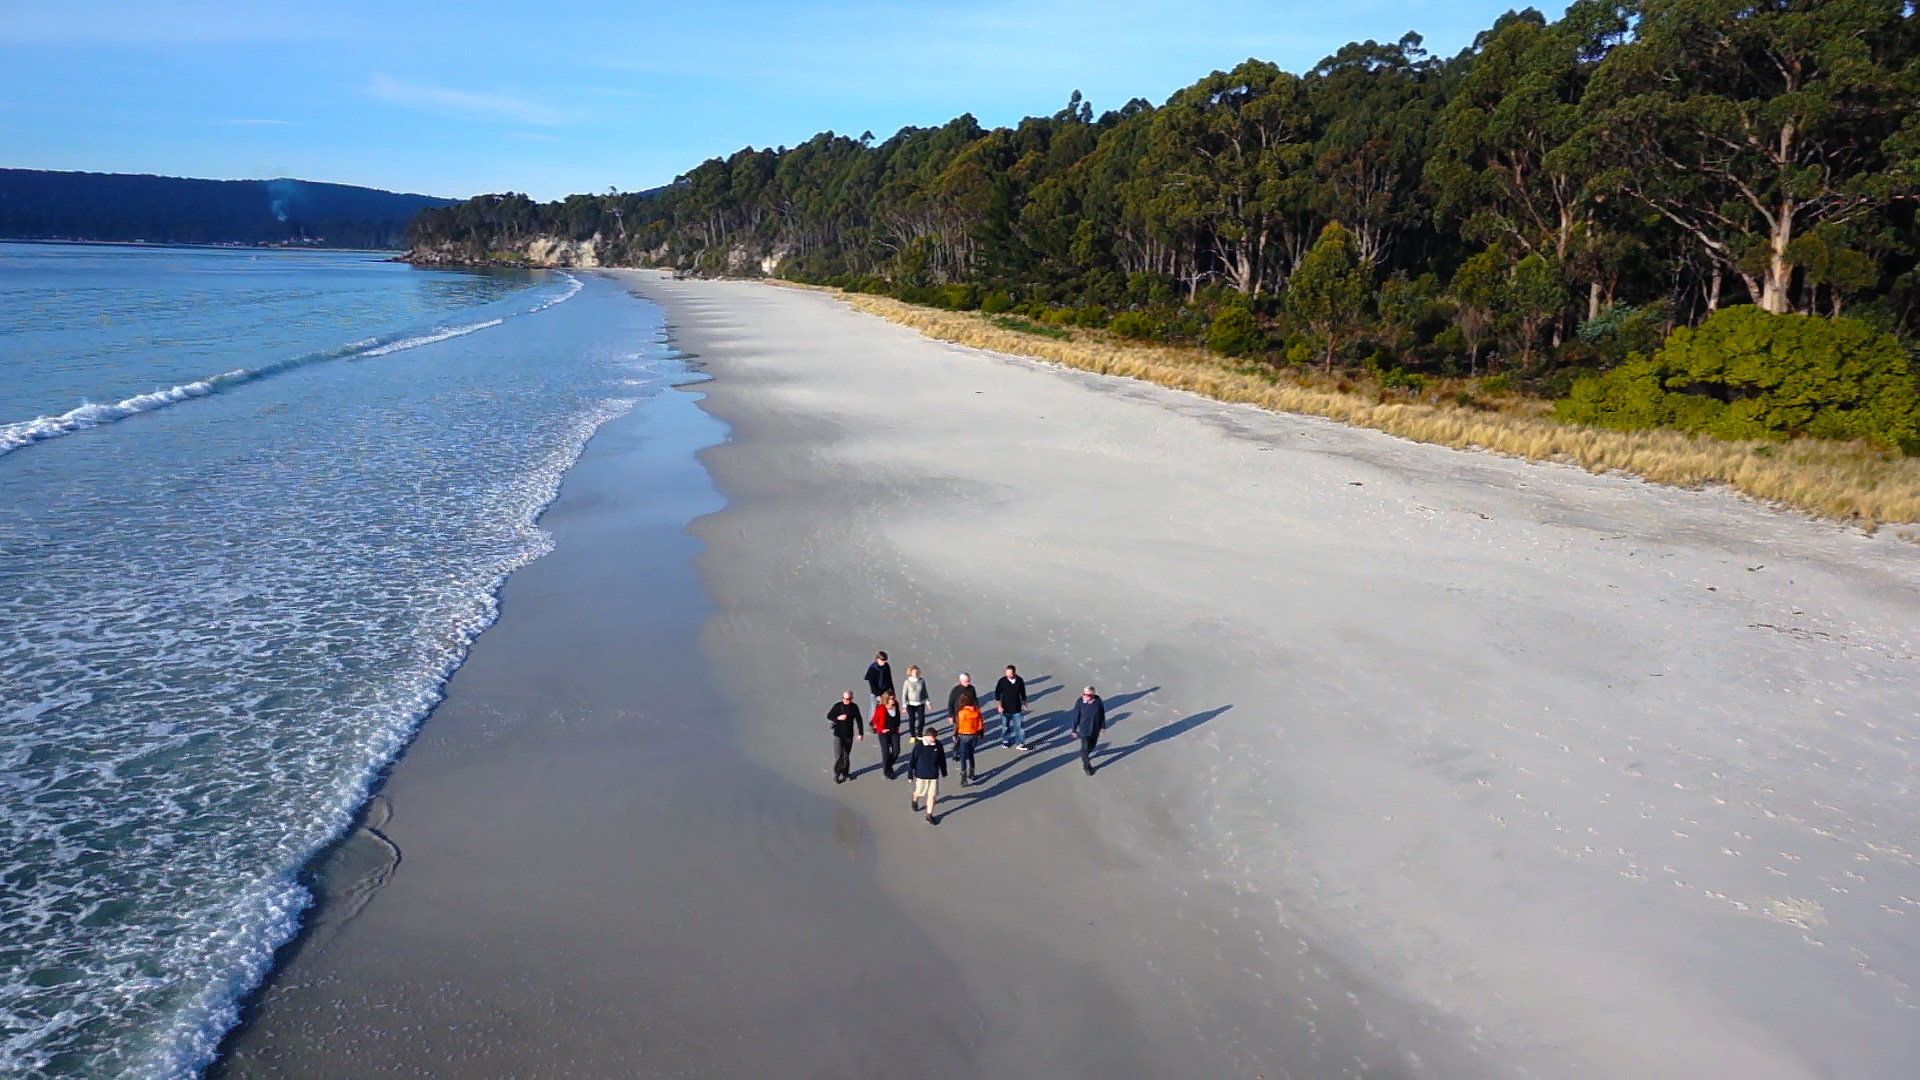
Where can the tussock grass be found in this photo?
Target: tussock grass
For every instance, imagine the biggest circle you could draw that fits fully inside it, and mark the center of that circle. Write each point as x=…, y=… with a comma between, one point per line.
x=1851, y=482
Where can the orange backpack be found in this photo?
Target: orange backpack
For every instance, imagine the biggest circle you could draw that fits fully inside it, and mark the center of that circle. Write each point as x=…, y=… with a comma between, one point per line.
x=968, y=721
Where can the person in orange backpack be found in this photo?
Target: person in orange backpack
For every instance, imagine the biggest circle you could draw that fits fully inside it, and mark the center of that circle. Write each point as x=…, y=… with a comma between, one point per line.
x=886, y=728
x=963, y=704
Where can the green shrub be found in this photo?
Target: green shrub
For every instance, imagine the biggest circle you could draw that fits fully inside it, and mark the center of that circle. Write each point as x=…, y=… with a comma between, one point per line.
x=1132, y=324
x=1055, y=316
x=1398, y=379
x=997, y=302
x=1092, y=315
x=1235, y=332
x=1496, y=384
x=1617, y=331
x=957, y=297
x=1014, y=322
x=1749, y=374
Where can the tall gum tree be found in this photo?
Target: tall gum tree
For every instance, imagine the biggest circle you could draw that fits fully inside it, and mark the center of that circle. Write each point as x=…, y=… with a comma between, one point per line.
x=1218, y=153
x=1748, y=122
x=1373, y=105
x=1510, y=162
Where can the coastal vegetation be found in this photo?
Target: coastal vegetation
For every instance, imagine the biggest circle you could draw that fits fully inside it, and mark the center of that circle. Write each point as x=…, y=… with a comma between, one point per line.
x=1689, y=223
x=1852, y=481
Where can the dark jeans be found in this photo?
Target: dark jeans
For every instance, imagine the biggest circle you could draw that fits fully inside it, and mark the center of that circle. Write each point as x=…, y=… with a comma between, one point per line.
x=963, y=750
x=1087, y=743
x=842, y=748
x=916, y=719
x=889, y=751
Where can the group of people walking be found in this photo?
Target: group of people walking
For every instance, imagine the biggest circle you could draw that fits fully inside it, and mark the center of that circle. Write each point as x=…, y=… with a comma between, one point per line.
x=901, y=710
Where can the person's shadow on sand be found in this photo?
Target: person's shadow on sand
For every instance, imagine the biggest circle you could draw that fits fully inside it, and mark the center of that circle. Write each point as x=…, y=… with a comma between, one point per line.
x=1106, y=756
x=1056, y=727
x=967, y=797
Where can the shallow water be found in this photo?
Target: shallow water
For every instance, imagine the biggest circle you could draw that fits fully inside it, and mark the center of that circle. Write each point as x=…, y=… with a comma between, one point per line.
x=229, y=594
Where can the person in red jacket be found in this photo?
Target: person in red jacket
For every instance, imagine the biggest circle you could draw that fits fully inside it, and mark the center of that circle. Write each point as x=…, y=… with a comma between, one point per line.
x=886, y=728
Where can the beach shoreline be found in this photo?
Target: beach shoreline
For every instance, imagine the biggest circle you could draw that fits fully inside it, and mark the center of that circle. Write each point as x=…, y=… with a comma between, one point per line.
x=1371, y=700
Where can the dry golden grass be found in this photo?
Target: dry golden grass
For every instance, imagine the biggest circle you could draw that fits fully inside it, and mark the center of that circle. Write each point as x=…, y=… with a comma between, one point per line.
x=1849, y=482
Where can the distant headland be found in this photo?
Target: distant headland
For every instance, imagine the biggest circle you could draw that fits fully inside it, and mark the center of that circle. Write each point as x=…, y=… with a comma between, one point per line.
x=130, y=208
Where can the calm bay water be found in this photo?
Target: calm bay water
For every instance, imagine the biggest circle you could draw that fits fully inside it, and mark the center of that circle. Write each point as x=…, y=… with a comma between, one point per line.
x=254, y=506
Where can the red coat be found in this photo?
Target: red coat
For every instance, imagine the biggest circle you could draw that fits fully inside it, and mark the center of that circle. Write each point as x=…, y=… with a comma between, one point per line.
x=880, y=721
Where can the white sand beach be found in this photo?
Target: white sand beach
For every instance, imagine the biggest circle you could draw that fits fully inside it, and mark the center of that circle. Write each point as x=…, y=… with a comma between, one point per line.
x=1425, y=762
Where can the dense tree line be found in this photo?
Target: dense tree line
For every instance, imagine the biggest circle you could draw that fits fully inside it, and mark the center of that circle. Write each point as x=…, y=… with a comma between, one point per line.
x=41, y=205
x=1556, y=196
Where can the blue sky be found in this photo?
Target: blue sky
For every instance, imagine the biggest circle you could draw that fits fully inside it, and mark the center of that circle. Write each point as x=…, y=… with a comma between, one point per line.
x=460, y=98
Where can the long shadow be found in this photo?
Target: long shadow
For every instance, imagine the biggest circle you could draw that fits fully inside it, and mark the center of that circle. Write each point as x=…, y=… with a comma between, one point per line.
x=1060, y=732
x=1117, y=700
x=1050, y=728
x=962, y=798
x=966, y=797
x=1157, y=735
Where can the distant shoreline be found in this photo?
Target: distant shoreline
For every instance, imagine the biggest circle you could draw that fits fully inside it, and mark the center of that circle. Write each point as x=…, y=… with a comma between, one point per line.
x=229, y=246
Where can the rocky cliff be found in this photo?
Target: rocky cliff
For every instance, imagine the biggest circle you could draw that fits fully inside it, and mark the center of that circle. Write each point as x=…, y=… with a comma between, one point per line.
x=547, y=252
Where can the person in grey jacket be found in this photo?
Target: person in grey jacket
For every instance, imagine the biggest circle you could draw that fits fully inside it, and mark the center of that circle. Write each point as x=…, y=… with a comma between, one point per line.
x=1089, y=719
x=913, y=694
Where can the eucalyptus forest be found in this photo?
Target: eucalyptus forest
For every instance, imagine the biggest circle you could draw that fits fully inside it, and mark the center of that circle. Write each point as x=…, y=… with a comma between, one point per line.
x=1552, y=203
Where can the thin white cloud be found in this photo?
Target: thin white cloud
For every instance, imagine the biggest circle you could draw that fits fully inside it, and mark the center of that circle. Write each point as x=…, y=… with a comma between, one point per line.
x=450, y=102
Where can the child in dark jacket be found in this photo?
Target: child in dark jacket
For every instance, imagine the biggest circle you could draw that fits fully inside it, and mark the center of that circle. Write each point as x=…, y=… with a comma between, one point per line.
x=927, y=765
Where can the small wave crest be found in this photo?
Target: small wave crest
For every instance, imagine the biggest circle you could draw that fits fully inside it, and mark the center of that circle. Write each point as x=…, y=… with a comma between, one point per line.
x=574, y=285
x=428, y=339
x=22, y=433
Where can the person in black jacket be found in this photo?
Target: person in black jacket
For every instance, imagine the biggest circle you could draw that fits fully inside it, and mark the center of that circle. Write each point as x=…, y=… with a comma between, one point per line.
x=927, y=765
x=845, y=720
x=1010, y=693
x=963, y=693
x=1089, y=719
x=879, y=678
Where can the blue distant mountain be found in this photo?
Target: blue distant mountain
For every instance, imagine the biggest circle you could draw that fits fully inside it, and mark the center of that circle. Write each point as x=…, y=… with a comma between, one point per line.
x=39, y=205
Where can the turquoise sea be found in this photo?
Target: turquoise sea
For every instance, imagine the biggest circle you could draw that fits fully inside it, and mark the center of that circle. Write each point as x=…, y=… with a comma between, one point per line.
x=254, y=507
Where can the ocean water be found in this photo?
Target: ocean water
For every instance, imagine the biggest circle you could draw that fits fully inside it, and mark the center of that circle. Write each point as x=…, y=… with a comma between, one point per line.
x=254, y=507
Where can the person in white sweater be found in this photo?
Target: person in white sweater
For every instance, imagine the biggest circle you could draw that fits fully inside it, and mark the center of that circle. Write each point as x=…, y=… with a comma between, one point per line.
x=913, y=695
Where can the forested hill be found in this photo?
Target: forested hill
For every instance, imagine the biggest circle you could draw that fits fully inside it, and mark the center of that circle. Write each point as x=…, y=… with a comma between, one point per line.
x=1555, y=194
x=37, y=205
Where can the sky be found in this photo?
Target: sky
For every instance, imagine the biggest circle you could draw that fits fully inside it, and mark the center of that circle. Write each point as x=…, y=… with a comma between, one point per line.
x=456, y=99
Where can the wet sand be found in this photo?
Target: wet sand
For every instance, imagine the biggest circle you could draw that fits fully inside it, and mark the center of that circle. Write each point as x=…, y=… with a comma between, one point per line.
x=1423, y=763
x=574, y=871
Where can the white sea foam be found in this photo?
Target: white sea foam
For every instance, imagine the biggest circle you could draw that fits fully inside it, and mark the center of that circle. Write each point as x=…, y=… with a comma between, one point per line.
x=574, y=285
x=22, y=433
x=428, y=339
x=201, y=698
